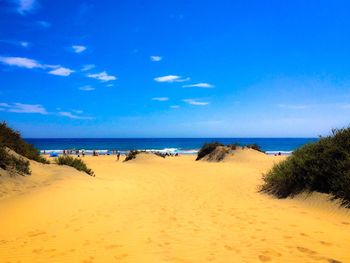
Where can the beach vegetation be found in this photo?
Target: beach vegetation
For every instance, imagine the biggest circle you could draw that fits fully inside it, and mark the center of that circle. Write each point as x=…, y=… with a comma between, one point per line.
x=255, y=147
x=75, y=163
x=131, y=155
x=207, y=148
x=218, y=154
x=12, y=139
x=12, y=163
x=323, y=166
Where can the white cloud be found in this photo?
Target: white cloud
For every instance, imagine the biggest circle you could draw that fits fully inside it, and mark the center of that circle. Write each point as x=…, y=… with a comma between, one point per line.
x=73, y=116
x=25, y=6
x=32, y=64
x=195, y=102
x=23, y=108
x=87, y=88
x=88, y=67
x=103, y=76
x=15, y=42
x=160, y=99
x=345, y=106
x=174, y=106
x=44, y=24
x=78, y=48
x=171, y=78
x=199, y=85
x=156, y=58
x=61, y=71
x=24, y=44
x=209, y=122
x=294, y=106
x=21, y=62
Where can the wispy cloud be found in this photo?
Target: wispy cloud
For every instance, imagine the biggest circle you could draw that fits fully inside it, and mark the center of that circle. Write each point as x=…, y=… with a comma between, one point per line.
x=103, y=76
x=171, y=78
x=156, y=58
x=23, y=108
x=43, y=24
x=199, y=85
x=174, y=106
x=345, y=106
x=16, y=43
x=21, y=62
x=78, y=48
x=61, y=71
x=32, y=64
x=88, y=67
x=73, y=116
x=294, y=106
x=195, y=102
x=87, y=88
x=25, y=6
x=109, y=85
x=209, y=122
x=161, y=98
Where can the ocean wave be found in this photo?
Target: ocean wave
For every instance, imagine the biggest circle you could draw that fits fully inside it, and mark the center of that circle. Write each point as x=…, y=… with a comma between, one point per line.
x=104, y=152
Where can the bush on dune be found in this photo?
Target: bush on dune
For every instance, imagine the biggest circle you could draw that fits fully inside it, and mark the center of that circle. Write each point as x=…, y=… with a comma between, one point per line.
x=75, y=163
x=13, y=164
x=323, y=166
x=255, y=147
x=12, y=139
x=210, y=148
x=207, y=149
x=131, y=155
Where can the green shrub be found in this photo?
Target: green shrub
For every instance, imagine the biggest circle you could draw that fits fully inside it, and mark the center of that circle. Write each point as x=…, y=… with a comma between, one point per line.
x=233, y=146
x=254, y=146
x=131, y=155
x=12, y=139
x=323, y=166
x=11, y=163
x=75, y=163
x=207, y=149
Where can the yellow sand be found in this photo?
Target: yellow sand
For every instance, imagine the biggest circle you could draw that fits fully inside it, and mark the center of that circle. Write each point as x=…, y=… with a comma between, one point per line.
x=166, y=210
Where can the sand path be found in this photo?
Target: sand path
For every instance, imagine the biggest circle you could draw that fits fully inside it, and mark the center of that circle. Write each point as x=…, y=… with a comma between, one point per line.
x=172, y=210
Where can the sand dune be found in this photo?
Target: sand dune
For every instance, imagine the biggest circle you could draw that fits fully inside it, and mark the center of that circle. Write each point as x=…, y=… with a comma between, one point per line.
x=167, y=210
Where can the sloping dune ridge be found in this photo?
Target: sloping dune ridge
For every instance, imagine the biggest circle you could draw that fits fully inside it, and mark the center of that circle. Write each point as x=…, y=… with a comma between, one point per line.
x=165, y=210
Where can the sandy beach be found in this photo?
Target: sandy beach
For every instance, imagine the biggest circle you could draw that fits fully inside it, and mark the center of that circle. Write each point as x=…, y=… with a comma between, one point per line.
x=165, y=210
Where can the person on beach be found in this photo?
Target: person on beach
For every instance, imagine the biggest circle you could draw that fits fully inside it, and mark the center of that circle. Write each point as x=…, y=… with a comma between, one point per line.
x=118, y=156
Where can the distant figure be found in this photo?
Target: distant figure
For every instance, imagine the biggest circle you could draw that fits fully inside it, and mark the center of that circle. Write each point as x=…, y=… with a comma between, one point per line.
x=83, y=153
x=118, y=156
x=279, y=153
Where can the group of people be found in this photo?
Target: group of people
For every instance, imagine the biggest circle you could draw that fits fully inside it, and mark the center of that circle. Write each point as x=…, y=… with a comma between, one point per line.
x=76, y=152
x=113, y=152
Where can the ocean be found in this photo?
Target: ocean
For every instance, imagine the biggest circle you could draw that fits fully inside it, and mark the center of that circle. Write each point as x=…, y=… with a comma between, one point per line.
x=172, y=145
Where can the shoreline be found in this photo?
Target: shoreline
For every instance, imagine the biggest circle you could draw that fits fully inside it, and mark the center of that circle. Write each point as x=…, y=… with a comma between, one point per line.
x=166, y=150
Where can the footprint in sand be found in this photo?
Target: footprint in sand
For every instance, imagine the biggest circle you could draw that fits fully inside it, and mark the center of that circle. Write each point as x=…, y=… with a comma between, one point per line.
x=306, y=251
x=121, y=256
x=325, y=243
x=112, y=246
x=35, y=234
x=264, y=258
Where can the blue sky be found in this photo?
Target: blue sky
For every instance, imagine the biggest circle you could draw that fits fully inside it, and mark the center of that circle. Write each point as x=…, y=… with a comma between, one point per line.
x=174, y=68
